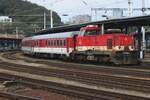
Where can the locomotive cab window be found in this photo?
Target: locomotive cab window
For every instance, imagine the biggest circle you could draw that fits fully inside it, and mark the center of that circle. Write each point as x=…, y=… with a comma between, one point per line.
x=81, y=33
x=91, y=32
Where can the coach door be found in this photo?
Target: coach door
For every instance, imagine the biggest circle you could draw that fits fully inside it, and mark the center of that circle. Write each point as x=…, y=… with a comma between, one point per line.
x=66, y=44
x=74, y=42
x=32, y=46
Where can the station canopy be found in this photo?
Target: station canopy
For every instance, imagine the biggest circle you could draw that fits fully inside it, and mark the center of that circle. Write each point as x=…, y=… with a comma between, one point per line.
x=112, y=23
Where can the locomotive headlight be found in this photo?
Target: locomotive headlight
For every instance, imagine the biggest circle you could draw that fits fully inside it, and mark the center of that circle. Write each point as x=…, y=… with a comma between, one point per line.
x=131, y=47
x=119, y=47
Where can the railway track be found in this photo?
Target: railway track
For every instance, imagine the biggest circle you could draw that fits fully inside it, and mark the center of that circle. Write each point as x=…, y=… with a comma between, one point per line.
x=103, y=80
x=84, y=77
x=94, y=77
x=132, y=71
x=82, y=92
x=11, y=96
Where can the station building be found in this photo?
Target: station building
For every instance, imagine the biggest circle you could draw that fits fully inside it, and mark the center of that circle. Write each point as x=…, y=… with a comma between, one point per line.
x=10, y=43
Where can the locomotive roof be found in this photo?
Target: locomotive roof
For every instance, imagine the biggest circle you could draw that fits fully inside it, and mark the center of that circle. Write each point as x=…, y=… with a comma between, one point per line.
x=112, y=23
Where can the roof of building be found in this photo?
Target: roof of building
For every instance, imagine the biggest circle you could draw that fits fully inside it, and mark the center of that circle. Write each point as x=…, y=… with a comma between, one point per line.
x=111, y=23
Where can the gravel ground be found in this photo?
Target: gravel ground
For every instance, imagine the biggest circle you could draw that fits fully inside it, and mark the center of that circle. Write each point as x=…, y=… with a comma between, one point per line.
x=44, y=95
x=37, y=93
x=3, y=99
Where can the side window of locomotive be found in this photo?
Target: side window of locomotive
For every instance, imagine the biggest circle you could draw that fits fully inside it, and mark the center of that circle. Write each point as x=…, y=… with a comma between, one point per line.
x=109, y=44
x=92, y=32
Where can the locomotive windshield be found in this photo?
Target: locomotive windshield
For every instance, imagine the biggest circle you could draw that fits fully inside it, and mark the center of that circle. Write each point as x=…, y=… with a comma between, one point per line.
x=91, y=32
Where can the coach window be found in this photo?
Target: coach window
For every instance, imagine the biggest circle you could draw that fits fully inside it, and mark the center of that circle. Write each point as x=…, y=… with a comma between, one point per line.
x=58, y=43
x=37, y=43
x=54, y=42
x=64, y=43
x=49, y=43
x=46, y=43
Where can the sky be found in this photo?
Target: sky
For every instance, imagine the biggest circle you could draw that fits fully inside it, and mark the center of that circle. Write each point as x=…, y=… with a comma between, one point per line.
x=81, y=7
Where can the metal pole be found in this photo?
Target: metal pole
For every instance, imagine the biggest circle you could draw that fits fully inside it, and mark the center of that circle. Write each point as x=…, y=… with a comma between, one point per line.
x=143, y=43
x=17, y=33
x=143, y=31
x=91, y=15
x=143, y=47
x=129, y=9
x=143, y=7
x=44, y=20
x=51, y=17
x=102, y=27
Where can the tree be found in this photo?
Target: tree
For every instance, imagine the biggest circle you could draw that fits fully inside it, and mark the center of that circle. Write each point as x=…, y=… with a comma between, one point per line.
x=15, y=9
